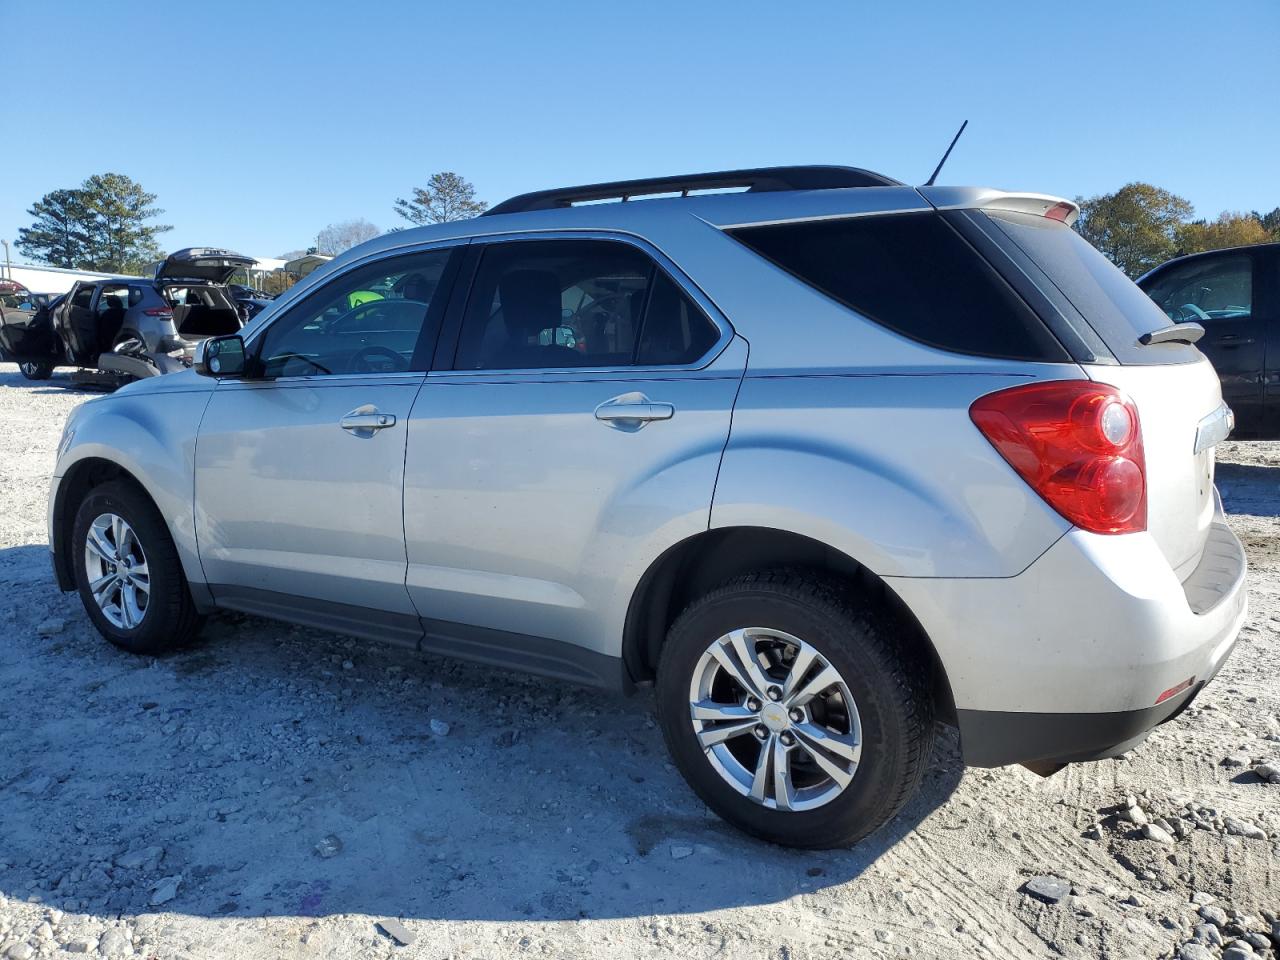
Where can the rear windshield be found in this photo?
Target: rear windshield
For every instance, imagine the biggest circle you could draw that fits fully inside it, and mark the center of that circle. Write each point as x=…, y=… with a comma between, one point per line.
x=914, y=274
x=1111, y=303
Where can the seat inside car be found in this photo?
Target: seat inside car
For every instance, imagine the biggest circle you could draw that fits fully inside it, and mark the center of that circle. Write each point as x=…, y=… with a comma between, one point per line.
x=530, y=303
x=111, y=310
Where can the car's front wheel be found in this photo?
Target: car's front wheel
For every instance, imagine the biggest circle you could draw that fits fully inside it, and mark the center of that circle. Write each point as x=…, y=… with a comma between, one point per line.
x=36, y=369
x=128, y=573
x=794, y=713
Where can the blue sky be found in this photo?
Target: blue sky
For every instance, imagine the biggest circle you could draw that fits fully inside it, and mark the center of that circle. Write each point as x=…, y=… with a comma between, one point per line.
x=259, y=123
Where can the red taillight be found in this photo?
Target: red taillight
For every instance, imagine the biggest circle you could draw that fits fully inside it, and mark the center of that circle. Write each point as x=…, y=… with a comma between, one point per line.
x=159, y=312
x=1078, y=444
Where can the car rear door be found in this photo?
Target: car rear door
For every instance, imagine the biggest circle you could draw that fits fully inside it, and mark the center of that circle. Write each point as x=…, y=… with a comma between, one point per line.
x=1177, y=393
x=78, y=328
x=581, y=423
x=299, y=468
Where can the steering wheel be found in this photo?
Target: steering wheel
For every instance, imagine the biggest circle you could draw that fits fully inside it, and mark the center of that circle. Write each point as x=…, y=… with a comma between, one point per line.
x=377, y=359
x=1189, y=310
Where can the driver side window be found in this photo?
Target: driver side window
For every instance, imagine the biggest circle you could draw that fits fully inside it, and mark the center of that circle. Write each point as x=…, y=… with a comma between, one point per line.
x=1206, y=289
x=382, y=317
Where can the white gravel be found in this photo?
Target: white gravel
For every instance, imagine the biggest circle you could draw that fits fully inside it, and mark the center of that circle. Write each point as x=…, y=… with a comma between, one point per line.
x=279, y=792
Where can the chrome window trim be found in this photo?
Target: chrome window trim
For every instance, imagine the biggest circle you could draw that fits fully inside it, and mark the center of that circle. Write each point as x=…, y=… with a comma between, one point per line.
x=677, y=275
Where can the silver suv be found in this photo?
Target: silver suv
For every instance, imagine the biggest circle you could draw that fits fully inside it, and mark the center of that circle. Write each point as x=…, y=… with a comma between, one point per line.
x=823, y=457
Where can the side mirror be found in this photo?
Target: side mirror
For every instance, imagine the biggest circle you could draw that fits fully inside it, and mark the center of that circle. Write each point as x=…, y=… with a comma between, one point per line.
x=221, y=357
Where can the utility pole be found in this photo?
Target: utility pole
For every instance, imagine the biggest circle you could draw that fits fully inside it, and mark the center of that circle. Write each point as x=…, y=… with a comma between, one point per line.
x=8, y=267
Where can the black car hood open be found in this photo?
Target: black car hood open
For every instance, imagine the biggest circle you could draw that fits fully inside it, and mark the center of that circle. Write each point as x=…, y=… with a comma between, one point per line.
x=211, y=264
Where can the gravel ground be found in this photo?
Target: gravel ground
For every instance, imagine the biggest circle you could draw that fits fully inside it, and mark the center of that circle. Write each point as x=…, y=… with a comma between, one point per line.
x=278, y=792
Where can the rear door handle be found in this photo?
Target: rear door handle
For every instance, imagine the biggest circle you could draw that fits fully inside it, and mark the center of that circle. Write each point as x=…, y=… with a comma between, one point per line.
x=634, y=408
x=366, y=421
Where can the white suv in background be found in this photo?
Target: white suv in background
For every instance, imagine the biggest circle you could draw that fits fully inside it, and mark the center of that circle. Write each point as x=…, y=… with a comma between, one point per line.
x=824, y=457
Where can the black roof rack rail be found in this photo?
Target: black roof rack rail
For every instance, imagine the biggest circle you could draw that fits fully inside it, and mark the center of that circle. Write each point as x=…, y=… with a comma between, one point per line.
x=758, y=180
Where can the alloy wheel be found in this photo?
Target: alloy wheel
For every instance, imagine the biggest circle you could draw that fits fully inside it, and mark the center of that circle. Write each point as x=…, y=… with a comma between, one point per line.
x=116, y=570
x=775, y=719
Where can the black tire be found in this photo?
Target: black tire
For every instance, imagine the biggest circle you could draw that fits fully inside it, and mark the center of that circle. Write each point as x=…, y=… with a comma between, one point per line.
x=890, y=682
x=170, y=618
x=36, y=369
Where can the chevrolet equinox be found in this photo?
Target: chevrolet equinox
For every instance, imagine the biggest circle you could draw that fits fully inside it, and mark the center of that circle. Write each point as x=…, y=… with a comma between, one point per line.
x=825, y=458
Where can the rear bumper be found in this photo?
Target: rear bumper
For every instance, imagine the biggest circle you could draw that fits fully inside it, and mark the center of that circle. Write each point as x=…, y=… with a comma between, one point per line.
x=993, y=738
x=1067, y=660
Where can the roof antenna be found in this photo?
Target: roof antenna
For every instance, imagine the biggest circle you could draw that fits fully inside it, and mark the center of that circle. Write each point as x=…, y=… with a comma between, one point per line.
x=938, y=170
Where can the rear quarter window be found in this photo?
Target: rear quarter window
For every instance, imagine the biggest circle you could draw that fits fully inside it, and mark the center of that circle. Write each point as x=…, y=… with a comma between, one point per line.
x=914, y=274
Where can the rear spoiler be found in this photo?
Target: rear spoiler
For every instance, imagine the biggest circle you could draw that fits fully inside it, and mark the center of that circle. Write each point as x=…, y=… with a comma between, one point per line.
x=968, y=198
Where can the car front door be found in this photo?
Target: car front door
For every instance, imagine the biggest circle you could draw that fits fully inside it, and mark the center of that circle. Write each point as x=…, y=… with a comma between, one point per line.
x=580, y=424
x=299, y=467
x=1217, y=291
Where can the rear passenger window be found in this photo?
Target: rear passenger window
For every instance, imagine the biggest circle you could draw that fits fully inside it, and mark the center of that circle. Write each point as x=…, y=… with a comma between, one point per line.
x=913, y=274
x=675, y=330
x=551, y=304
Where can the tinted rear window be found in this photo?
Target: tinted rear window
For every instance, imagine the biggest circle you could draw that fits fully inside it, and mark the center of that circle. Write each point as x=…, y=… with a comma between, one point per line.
x=914, y=274
x=1110, y=302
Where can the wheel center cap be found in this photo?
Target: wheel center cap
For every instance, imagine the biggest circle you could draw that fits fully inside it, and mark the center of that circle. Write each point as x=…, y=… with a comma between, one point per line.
x=774, y=716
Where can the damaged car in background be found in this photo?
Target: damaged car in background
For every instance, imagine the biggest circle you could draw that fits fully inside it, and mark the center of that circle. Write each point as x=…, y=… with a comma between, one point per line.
x=129, y=328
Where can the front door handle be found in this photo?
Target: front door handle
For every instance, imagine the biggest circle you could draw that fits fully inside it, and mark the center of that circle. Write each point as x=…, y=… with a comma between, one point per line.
x=1232, y=340
x=634, y=410
x=366, y=420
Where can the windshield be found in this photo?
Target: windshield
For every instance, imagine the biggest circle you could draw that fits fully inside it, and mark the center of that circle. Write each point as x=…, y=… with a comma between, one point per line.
x=1110, y=302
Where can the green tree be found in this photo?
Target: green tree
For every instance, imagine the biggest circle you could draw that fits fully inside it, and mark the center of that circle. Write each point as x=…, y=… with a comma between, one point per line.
x=446, y=197
x=1270, y=222
x=100, y=225
x=121, y=241
x=58, y=235
x=1136, y=227
x=1229, y=230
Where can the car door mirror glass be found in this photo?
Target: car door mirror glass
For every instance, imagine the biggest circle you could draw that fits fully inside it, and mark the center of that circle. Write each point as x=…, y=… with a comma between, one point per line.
x=221, y=357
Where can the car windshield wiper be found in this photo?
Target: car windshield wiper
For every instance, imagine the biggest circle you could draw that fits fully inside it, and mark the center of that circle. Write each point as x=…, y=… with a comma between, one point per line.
x=1174, y=333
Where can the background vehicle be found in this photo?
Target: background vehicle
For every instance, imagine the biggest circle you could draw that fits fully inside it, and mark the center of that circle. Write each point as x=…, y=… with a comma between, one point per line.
x=1235, y=295
x=129, y=328
x=825, y=460
x=26, y=329
x=251, y=302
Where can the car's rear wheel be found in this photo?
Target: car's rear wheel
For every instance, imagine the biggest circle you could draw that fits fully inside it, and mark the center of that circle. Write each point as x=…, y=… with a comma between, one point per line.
x=128, y=573
x=793, y=712
x=36, y=369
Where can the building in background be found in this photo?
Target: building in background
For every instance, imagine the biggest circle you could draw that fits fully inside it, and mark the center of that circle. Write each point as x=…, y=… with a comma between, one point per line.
x=301, y=266
x=266, y=273
x=41, y=279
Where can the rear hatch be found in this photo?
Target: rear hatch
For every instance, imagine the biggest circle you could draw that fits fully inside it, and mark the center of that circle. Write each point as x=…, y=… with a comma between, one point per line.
x=210, y=264
x=1176, y=390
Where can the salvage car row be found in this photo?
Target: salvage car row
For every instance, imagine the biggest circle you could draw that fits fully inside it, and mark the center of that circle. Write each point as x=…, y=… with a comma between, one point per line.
x=128, y=328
